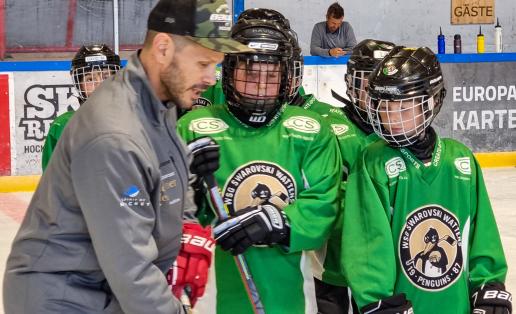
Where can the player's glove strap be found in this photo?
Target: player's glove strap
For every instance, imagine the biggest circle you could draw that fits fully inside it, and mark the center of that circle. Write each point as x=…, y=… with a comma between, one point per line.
x=491, y=298
x=263, y=224
x=397, y=304
x=205, y=154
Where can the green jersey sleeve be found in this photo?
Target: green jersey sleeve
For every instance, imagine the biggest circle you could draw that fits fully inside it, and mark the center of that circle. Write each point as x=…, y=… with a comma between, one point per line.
x=55, y=131
x=368, y=258
x=312, y=215
x=486, y=258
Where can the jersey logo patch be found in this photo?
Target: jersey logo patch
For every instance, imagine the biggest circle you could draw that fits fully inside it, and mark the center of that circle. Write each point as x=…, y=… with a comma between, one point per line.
x=208, y=126
x=394, y=166
x=302, y=124
x=339, y=129
x=463, y=165
x=430, y=248
x=259, y=183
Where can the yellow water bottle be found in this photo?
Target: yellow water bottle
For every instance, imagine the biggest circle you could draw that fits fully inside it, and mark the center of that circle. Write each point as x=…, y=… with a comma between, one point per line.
x=480, y=42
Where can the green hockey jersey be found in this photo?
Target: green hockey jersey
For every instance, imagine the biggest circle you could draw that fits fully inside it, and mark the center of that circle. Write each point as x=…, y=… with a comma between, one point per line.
x=352, y=140
x=425, y=230
x=55, y=131
x=294, y=161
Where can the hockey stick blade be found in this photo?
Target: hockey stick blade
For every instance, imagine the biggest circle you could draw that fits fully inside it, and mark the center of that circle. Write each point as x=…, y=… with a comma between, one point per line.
x=240, y=261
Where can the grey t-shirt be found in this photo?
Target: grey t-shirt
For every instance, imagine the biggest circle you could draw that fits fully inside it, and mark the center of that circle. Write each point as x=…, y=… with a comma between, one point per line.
x=322, y=40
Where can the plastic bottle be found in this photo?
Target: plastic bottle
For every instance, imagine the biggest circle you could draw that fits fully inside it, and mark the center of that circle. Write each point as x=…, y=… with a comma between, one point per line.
x=441, y=46
x=498, y=37
x=457, y=44
x=480, y=42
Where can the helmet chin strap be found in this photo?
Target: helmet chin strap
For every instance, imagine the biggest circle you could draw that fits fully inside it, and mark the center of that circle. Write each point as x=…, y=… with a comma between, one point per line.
x=424, y=145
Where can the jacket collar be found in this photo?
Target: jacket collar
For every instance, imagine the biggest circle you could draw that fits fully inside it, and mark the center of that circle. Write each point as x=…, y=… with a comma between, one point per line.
x=138, y=81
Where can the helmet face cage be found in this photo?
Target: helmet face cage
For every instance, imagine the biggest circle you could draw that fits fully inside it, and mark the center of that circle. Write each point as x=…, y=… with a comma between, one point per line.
x=401, y=122
x=256, y=85
x=357, y=82
x=296, y=77
x=87, y=78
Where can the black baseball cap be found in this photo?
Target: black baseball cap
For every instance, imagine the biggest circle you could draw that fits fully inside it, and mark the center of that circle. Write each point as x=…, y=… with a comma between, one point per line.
x=207, y=22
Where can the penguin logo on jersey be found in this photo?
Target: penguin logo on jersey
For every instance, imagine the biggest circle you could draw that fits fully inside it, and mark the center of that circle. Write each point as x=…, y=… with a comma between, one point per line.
x=430, y=248
x=258, y=183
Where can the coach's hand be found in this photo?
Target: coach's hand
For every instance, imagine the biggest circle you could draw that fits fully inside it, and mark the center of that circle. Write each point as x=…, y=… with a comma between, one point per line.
x=190, y=270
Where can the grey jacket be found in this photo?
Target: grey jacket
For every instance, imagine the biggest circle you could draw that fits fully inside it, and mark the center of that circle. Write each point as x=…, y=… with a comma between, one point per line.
x=109, y=206
x=322, y=40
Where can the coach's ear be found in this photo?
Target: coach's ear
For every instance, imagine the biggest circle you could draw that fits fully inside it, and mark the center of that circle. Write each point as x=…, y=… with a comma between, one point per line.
x=163, y=48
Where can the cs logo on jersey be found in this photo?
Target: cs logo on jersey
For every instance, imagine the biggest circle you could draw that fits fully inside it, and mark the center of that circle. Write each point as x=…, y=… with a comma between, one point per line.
x=394, y=166
x=207, y=126
x=339, y=129
x=430, y=248
x=258, y=183
x=463, y=164
x=302, y=124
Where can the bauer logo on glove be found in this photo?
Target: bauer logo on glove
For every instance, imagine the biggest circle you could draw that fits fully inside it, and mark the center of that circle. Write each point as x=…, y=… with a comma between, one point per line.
x=190, y=270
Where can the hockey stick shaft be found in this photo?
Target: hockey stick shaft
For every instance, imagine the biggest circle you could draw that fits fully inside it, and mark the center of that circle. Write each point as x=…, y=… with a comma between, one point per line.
x=240, y=261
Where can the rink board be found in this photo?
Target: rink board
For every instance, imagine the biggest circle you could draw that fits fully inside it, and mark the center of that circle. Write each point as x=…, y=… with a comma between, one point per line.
x=479, y=110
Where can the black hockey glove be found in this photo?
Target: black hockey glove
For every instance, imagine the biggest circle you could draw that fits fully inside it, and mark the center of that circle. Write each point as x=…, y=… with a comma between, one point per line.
x=262, y=224
x=205, y=156
x=491, y=298
x=397, y=304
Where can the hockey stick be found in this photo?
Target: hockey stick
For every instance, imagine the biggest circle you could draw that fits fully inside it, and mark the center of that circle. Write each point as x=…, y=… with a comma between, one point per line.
x=250, y=286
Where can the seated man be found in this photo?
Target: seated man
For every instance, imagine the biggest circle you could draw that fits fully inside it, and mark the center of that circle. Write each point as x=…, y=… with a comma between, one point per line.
x=334, y=37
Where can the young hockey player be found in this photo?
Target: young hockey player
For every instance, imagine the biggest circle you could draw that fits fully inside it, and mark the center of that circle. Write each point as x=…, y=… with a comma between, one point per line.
x=215, y=94
x=280, y=167
x=91, y=65
x=418, y=226
x=354, y=133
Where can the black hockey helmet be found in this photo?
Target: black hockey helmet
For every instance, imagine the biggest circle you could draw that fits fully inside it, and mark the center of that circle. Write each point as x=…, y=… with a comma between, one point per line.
x=258, y=84
x=298, y=61
x=407, y=80
x=364, y=57
x=91, y=65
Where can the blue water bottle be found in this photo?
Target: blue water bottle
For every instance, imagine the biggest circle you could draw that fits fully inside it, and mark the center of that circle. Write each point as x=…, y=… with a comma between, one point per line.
x=441, y=46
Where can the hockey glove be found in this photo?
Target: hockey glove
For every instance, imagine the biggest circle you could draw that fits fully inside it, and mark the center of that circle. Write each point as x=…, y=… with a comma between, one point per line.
x=491, y=298
x=262, y=224
x=205, y=153
x=190, y=270
x=397, y=304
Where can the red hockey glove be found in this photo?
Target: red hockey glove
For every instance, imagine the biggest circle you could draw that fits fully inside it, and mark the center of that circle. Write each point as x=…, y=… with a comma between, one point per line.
x=190, y=270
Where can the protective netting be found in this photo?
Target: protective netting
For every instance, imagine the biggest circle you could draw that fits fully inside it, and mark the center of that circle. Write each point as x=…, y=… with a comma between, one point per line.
x=48, y=24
